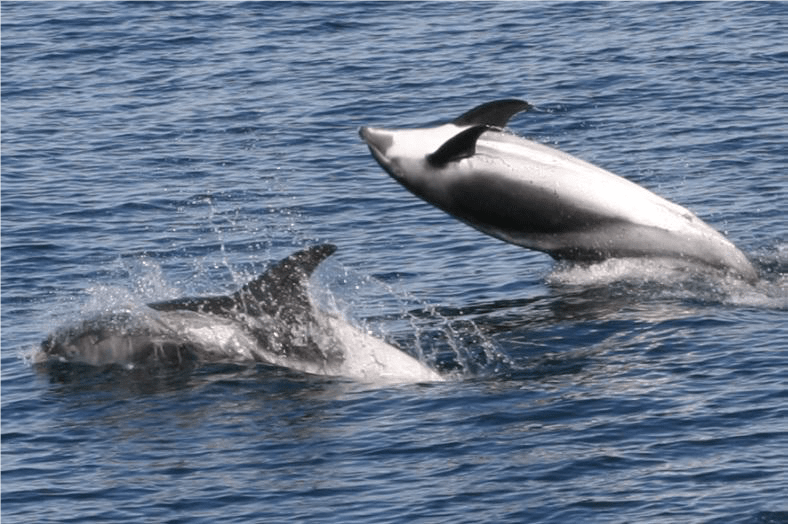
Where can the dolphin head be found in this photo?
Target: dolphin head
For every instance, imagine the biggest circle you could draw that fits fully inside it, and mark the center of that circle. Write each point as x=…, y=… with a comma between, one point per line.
x=421, y=159
x=116, y=338
x=404, y=153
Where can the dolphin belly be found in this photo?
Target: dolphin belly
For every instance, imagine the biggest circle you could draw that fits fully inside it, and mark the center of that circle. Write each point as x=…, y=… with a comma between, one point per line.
x=576, y=211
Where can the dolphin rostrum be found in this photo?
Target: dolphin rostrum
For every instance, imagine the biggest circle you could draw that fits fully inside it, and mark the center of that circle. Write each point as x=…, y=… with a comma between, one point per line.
x=540, y=198
x=270, y=319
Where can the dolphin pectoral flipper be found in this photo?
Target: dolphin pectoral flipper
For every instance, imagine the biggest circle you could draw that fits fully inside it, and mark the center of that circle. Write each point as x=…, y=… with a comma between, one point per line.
x=461, y=145
x=496, y=113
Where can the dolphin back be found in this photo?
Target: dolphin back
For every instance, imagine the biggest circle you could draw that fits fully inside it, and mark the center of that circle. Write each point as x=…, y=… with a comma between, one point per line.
x=283, y=285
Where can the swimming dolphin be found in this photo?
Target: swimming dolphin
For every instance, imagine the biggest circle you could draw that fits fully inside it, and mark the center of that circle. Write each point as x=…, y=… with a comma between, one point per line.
x=270, y=319
x=540, y=198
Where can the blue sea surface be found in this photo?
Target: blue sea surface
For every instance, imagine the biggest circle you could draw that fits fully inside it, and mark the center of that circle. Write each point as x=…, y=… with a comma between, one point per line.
x=158, y=150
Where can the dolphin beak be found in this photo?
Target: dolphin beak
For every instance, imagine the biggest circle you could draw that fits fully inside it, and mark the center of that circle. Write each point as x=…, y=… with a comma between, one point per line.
x=365, y=133
x=378, y=140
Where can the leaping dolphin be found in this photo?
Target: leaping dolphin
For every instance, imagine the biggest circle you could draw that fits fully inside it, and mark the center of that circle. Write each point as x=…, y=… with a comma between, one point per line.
x=540, y=198
x=270, y=319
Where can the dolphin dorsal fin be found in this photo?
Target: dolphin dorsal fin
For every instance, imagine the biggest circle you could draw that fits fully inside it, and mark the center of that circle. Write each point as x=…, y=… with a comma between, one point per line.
x=462, y=145
x=284, y=283
x=281, y=287
x=496, y=113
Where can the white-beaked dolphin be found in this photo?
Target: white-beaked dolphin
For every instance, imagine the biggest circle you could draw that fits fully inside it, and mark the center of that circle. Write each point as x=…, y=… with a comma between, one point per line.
x=270, y=319
x=540, y=198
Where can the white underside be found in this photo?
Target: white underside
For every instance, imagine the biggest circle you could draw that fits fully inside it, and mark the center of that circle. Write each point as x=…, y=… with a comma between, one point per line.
x=370, y=359
x=364, y=357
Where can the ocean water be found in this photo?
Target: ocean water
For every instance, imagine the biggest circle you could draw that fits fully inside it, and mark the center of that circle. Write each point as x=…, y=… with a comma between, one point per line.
x=156, y=150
